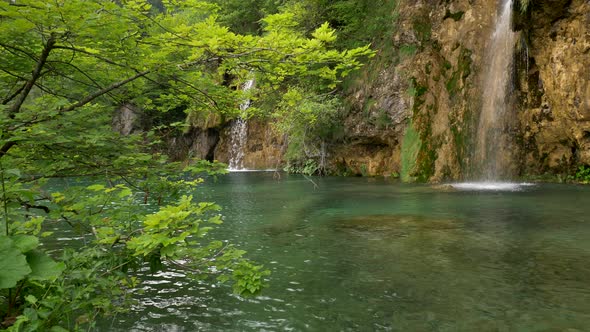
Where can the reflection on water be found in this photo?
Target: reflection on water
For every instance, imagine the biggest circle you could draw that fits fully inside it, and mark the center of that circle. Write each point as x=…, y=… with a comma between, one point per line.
x=361, y=254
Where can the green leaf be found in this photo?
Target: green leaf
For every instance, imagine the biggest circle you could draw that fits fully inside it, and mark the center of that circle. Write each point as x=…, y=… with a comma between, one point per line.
x=13, y=264
x=14, y=172
x=25, y=242
x=31, y=299
x=43, y=267
x=96, y=187
x=125, y=192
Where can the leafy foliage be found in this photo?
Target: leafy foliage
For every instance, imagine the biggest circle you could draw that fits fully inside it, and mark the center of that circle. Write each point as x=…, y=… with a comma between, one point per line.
x=309, y=120
x=66, y=65
x=244, y=16
x=583, y=174
x=13, y=263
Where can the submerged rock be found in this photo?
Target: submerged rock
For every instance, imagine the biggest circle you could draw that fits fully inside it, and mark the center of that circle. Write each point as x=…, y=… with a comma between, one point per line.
x=396, y=223
x=444, y=187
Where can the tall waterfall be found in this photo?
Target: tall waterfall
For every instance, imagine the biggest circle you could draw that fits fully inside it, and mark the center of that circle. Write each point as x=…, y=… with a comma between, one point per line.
x=239, y=133
x=492, y=150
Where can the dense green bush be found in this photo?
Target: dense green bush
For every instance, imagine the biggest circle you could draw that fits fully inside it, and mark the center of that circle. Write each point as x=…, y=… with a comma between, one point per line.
x=583, y=174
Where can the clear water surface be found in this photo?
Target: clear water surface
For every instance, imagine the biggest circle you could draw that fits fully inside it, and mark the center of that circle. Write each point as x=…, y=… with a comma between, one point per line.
x=362, y=254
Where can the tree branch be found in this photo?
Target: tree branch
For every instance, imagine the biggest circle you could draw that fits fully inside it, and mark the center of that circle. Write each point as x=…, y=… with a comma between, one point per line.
x=8, y=145
x=103, y=91
x=79, y=50
x=15, y=108
x=93, y=84
x=4, y=149
x=12, y=96
x=11, y=49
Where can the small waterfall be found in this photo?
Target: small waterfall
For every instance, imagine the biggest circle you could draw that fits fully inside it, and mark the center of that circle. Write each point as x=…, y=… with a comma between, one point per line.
x=494, y=143
x=239, y=133
x=492, y=150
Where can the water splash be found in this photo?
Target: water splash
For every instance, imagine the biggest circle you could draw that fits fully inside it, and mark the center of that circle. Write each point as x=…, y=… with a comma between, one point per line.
x=493, y=145
x=239, y=134
x=491, y=186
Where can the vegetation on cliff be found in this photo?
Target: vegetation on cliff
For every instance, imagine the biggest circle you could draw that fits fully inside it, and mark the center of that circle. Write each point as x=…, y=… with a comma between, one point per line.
x=311, y=113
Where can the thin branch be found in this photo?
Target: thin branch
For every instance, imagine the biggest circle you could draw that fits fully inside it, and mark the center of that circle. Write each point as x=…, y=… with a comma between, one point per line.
x=94, y=84
x=12, y=96
x=13, y=74
x=35, y=76
x=164, y=28
x=206, y=95
x=181, y=92
x=111, y=270
x=12, y=48
x=103, y=91
x=47, y=90
x=79, y=50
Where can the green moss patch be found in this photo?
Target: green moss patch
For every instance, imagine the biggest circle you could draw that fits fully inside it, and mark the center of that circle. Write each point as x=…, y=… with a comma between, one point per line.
x=410, y=147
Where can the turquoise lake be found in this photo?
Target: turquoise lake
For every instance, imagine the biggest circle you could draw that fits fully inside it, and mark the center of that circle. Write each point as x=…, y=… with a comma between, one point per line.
x=368, y=254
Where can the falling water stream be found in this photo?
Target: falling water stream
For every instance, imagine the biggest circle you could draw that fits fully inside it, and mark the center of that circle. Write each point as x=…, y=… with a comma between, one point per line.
x=239, y=134
x=493, y=145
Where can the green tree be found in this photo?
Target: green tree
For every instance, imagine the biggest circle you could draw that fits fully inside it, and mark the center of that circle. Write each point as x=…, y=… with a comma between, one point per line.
x=245, y=16
x=66, y=66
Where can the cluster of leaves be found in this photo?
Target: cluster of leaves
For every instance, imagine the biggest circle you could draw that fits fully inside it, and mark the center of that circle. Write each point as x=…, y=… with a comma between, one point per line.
x=66, y=66
x=309, y=167
x=358, y=22
x=244, y=16
x=21, y=260
x=583, y=174
x=140, y=222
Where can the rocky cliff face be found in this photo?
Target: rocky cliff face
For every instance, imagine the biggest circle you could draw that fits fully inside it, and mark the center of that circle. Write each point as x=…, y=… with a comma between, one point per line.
x=414, y=109
x=212, y=140
x=555, y=87
x=416, y=113
x=264, y=147
x=429, y=90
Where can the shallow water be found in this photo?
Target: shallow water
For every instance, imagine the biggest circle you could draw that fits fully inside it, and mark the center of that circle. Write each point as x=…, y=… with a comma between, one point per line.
x=358, y=254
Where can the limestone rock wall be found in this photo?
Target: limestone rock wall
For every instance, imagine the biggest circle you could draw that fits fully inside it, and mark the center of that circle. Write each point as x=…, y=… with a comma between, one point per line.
x=197, y=143
x=414, y=110
x=264, y=147
x=555, y=105
x=426, y=89
x=128, y=119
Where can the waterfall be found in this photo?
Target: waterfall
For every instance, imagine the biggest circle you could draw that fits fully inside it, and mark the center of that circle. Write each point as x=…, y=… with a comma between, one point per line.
x=492, y=147
x=239, y=133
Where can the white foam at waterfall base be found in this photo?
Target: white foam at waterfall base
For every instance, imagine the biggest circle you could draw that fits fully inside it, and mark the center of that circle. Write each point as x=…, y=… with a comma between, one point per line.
x=491, y=186
x=240, y=170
